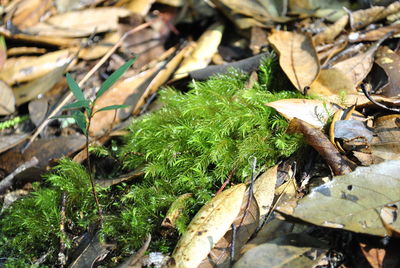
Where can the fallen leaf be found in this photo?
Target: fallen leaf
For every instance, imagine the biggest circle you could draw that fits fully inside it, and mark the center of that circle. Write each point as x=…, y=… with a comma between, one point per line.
x=40, y=85
x=127, y=91
x=364, y=17
x=332, y=82
x=385, y=144
x=389, y=61
x=315, y=138
x=208, y=226
x=38, y=110
x=7, y=99
x=375, y=34
x=314, y=112
x=8, y=142
x=67, y=5
x=80, y=23
x=16, y=51
x=375, y=256
x=352, y=201
x=357, y=68
x=284, y=251
x=101, y=48
x=29, y=12
x=142, y=7
x=331, y=32
x=264, y=191
x=205, y=48
x=246, y=224
x=297, y=57
x=25, y=69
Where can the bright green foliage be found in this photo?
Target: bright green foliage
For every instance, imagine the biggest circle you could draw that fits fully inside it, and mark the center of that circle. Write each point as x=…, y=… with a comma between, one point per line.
x=189, y=146
x=13, y=122
x=31, y=228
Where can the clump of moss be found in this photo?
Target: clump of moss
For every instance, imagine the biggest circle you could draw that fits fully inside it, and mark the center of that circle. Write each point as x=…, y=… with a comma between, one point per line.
x=191, y=145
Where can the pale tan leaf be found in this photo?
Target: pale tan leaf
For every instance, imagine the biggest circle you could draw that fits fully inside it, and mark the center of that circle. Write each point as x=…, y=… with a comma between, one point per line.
x=264, y=191
x=246, y=224
x=80, y=23
x=385, y=144
x=331, y=32
x=7, y=99
x=140, y=7
x=208, y=226
x=124, y=92
x=101, y=48
x=364, y=17
x=29, y=12
x=314, y=112
x=206, y=47
x=297, y=57
x=332, y=82
x=357, y=68
x=24, y=69
x=38, y=86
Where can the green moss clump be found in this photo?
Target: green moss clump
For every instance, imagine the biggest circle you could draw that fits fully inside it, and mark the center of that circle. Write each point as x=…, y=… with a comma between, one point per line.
x=189, y=146
x=31, y=228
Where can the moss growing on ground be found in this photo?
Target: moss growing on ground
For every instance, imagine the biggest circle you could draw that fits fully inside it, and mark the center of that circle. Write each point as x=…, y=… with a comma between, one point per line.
x=191, y=145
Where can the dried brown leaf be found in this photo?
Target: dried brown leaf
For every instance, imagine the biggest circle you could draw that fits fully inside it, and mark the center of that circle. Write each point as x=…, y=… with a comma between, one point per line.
x=297, y=57
x=208, y=226
x=7, y=99
x=315, y=138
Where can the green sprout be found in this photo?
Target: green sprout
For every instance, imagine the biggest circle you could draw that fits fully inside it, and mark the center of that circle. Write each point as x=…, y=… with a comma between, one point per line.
x=83, y=120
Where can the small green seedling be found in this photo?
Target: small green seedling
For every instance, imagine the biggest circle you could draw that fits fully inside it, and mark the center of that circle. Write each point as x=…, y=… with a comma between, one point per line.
x=83, y=120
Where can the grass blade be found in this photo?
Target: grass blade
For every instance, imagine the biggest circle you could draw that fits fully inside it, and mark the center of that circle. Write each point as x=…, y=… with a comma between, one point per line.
x=76, y=90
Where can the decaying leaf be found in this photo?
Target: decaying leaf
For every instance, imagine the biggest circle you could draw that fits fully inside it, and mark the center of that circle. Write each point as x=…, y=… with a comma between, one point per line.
x=331, y=32
x=41, y=85
x=127, y=91
x=201, y=55
x=353, y=201
x=315, y=138
x=314, y=112
x=332, y=82
x=25, y=69
x=208, y=226
x=284, y=251
x=389, y=61
x=29, y=12
x=385, y=145
x=364, y=17
x=264, y=191
x=7, y=99
x=80, y=23
x=297, y=57
x=246, y=224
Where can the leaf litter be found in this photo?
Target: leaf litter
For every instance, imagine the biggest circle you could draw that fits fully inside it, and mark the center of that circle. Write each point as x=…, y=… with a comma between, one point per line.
x=341, y=56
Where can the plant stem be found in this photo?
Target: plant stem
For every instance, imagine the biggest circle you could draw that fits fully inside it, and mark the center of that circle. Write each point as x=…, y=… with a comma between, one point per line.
x=91, y=175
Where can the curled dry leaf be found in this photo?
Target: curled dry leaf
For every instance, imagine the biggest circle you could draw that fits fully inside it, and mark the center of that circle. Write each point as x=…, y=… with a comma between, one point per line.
x=127, y=91
x=385, y=144
x=353, y=201
x=314, y=112
x=389, y=61
x=246, y=224
x=264, y=191
x=29, y=12
x=315, y=138
x=25, y=69
x=80, y=23
x=7, y=99
x=364, y=17
x=332, y=82
x=201, y=55
x=206, y=228
x=331, y=32
x=297, y=57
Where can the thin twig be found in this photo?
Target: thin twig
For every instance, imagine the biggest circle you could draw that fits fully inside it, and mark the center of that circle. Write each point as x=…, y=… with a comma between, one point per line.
x=69, y=95
x=7, y=181
x=366, y=93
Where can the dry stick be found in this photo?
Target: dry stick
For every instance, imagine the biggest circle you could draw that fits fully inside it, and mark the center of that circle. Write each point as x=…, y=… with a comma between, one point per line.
x=87, y=76
x=7, y=181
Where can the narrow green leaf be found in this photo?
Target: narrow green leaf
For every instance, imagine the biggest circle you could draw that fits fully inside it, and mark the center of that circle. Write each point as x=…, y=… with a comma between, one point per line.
x=112, y=107
x=76, y=90
x=77, y=104
x=80, y=120
x=114, y=77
